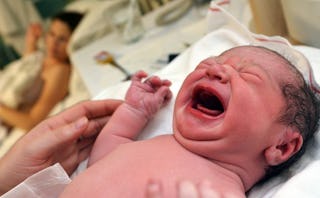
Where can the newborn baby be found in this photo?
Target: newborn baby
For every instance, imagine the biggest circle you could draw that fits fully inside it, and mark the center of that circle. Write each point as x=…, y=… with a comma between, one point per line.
x=235, y=119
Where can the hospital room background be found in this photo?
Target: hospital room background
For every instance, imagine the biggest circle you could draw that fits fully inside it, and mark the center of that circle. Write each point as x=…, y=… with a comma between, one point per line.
x=119, y=37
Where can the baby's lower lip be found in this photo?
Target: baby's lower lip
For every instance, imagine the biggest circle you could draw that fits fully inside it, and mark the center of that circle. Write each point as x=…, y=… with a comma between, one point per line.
x=213, y=113
x=204, y=114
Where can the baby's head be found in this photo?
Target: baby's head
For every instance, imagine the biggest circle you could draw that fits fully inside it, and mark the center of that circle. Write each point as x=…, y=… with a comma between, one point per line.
x=247, y=109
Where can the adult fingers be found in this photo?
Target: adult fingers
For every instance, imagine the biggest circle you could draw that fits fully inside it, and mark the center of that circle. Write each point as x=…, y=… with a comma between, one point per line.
x=153, y=190
x=207, y=191
x=95, y=126
x=84, y=142
x=75, y=153
x=97, y=108
x=90, y=109
x=85, y=152
x=50, y=140
x=187, y=189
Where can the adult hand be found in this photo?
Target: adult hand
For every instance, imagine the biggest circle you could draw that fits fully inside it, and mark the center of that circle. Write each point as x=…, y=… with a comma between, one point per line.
x=185, y=189
x=66, y=138
x=33, y=34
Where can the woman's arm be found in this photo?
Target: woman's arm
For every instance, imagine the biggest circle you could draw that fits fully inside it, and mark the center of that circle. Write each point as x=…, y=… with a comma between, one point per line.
x=55, y=88
x=33, y=34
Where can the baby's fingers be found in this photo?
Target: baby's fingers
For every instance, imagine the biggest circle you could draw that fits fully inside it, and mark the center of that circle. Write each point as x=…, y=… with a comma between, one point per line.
x=138, y=76
x=156, y=82
x=164, y=94
x=166, y=82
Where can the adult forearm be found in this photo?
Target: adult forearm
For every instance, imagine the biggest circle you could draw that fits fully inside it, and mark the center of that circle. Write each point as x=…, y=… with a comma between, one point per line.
x=30, y=49
x=5, y=178
x=33, y=34
x=16, y=118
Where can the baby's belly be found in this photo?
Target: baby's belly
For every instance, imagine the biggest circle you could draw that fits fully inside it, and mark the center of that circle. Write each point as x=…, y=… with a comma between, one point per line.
x=126, y=171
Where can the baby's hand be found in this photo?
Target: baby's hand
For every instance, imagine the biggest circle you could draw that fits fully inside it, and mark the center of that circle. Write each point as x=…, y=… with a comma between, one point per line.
x=148, y=96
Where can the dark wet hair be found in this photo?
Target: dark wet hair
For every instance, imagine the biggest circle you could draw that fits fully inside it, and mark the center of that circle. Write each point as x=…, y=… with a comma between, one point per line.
x=301, y=112
x=71, y=18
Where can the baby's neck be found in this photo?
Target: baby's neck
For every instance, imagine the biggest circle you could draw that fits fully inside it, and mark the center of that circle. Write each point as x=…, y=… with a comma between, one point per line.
x=228, y=175
x=221, y=176
x=249, y=171
x=248, y=174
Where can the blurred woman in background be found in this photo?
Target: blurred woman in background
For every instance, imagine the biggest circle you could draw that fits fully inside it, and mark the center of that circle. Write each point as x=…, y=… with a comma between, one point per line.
x=51, y=84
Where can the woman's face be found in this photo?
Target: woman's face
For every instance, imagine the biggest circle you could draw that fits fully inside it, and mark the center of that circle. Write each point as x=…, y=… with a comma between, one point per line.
x=228, y=107
x=57, y=39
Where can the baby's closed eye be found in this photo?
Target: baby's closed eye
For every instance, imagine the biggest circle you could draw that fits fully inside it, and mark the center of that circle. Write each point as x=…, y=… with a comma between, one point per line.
x=250, y=73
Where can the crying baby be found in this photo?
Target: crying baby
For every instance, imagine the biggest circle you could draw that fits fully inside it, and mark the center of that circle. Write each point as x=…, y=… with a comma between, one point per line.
x=225, y=129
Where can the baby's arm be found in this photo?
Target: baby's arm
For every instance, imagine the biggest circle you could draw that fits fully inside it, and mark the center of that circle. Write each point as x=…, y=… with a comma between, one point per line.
x=142, y=101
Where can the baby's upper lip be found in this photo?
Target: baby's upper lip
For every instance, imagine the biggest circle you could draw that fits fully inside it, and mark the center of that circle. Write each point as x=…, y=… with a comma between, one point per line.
x=208, y=100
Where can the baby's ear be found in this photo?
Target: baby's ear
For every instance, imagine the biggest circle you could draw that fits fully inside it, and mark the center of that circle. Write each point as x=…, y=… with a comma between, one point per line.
x=290, y=144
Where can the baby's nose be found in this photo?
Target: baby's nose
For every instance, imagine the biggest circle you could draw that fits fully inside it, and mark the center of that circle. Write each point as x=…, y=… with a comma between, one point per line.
x=218, y=72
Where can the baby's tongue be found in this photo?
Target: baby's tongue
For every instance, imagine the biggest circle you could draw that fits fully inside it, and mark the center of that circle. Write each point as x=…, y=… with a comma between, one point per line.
x=210, y=112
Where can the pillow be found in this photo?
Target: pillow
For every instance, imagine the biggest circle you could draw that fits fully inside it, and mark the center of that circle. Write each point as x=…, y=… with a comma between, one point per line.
x=18, y=77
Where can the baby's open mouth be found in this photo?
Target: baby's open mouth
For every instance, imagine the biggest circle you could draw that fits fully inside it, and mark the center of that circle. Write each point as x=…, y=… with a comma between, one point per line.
x=207, y=102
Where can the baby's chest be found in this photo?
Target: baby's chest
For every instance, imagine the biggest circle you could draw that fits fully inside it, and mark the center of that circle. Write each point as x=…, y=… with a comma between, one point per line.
x=126, y=171
x=132, y=168
x=123, y=173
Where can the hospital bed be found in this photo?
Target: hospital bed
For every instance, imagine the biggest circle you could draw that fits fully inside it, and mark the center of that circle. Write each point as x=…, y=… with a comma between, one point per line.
x=303, y=178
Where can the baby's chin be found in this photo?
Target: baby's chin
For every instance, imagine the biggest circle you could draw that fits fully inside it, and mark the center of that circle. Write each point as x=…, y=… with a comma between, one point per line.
x=198, y=130
x=201, y=148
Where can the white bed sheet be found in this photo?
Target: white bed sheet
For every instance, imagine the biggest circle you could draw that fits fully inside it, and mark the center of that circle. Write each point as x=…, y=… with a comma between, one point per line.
x=300, y=180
